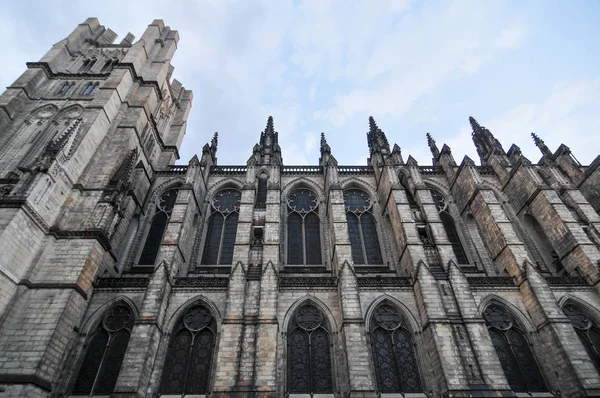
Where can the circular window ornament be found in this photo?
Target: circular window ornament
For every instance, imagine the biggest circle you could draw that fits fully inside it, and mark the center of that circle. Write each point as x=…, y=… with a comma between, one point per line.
x=356, y=201
x=497, y=317
x=227, y=200
x=197, y=318
x=309, y=317
x=302, y=200
x=117, y=318
x=387, y=317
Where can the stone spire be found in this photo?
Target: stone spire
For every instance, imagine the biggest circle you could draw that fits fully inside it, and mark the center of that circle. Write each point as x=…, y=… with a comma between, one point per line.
x=541, y=145
x=433, y=147
x=484, y=140
x=378, y=143
x=211, y=150
x=327, y=158
x=269, y=151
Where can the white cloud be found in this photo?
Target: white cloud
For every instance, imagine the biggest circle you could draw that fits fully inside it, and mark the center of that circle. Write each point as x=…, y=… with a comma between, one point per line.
x=511, y=37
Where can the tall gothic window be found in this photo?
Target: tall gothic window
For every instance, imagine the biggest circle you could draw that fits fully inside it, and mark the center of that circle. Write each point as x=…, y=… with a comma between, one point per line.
x=162, y=213
x=222, y=228
x=587, y=330
x=449, y=227
x=189, y=356
x=104, y=354
x=393, y=352
x=362, y=230
x=309, y=352
x=513, y=350
x=303, y=228
x=261, y=196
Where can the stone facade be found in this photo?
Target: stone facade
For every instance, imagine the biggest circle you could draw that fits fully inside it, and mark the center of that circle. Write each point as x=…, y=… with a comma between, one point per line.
x=89, y=137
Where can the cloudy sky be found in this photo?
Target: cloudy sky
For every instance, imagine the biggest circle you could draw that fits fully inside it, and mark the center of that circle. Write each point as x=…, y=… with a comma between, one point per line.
x=325, y=66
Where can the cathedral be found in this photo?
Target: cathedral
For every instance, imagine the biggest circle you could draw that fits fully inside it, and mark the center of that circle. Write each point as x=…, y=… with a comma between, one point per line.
x=126, y=273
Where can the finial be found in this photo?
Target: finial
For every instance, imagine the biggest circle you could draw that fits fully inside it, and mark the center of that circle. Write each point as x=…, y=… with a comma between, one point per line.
x=372, y=124
x=476, y=126
x=541, y=144
x=431, y=143
x=324, y=145
x=215, y=140
x=270, y=124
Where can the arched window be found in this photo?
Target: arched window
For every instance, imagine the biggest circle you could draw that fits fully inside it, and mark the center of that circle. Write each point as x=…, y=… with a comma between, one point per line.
x=261, y=196
x=587, y=331
x=516, y=358
x=222, y=228
x=162, y=213
x=303, y=228
x=449, y=227
x=362, y=230
x=309, y=352
x=90, y=88
x=393, y=352
x=64, y=88
x=104, y=354
x=189, y=356
x=87, y=65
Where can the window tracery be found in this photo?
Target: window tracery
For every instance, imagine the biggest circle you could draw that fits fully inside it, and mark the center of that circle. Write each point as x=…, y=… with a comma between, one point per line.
x=105, y=352
x=222, y=228
x=303, y=227
x=162, y=214
x=309, y=352
x=362, y=230
x=516, y=358
x=189, y=356
x=587, y=330
x=393, y=352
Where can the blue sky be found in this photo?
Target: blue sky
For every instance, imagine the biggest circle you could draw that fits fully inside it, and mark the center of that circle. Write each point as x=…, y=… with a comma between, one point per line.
x=326, y=66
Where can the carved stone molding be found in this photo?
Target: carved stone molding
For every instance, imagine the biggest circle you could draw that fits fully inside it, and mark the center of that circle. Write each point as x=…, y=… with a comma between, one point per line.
x=220, y=282
x=307, y=281
x=567, y=281
x=491, y=281
x=112, y=282
x=384, y=281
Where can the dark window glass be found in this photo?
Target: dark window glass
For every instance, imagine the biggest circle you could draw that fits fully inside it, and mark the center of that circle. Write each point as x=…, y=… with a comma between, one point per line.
x=261, y=196
x=516, y=358
x=222, y=228
x=303, y=228
x=309, y=352
x=393, y=352
x=105, y=352
x=189, y=357
x=450, y=227
x=163, y=210
x=362, y=231
x=587, y=331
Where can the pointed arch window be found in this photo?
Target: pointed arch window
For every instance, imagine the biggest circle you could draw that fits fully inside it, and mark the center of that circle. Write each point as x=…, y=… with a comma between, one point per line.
x=362, y=230
x=162, y=214
x=104, y=353
x=222, y=228
x=90, y=88
x=309, y=352
x=261, y=196
x=190, y=353
x=516, y=358
x=64, y=88
x=587, y=330
x=303, y=228
x=449, y=227
x=393, y=352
